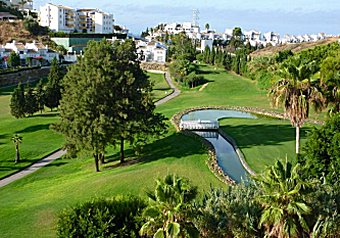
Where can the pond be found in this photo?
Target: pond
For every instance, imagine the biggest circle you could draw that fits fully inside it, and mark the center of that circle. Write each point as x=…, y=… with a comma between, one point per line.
x=227, y=157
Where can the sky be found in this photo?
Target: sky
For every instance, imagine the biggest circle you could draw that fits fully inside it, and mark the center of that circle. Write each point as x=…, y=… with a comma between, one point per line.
x=282, y=16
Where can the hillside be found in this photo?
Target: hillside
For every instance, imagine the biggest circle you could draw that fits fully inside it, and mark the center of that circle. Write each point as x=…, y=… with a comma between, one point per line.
x=293, y=47
x=15, y=31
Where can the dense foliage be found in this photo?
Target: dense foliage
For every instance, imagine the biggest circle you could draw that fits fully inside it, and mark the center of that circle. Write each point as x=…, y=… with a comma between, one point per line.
x=265, y=69
x=170, y=211
x=322, y=151
x=182, y=68
x=233, y=212
x=34, y=28
x=13, y=60
x=54, y=86
x=115, y=217
x=107, y=100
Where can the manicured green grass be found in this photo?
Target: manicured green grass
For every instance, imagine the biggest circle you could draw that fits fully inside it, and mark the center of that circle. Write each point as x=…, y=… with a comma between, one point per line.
x=223, y=89
x=37, y=142
x=160, y=88
x=28, y=207
x=38, y=139
x=263, y=140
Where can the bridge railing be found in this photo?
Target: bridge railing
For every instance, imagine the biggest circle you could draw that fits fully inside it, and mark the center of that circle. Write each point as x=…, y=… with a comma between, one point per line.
x=199, y=125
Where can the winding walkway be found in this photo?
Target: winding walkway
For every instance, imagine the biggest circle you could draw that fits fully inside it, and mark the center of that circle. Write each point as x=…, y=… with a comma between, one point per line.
x=174, y=94
x=59, y=153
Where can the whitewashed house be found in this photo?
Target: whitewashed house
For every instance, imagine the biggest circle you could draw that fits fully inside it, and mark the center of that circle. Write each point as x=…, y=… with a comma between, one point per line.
x=35, y=52
x=206, y=43
x=272, y=38
x=151, y=51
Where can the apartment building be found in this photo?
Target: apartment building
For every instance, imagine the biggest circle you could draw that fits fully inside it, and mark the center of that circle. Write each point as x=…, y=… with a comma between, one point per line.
x=57, y=17
x=94, y=21
x=66, y=19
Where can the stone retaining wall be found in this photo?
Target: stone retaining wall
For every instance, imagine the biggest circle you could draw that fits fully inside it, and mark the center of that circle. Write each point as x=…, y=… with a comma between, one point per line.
x=153, y=66
x=24, y=76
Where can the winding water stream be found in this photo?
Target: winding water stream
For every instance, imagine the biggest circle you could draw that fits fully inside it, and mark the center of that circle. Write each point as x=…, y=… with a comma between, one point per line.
x=227, y=157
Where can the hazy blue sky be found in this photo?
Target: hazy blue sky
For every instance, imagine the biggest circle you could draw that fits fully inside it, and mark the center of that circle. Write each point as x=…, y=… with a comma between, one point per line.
x=283, y=16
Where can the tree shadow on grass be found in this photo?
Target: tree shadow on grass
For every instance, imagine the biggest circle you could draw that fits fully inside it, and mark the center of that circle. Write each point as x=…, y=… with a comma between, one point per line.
x=262, y=134
x=175, y=145
x=8, y=167
x=5, y=91
x=3, y=138
x=57, y=164
x=204, y=72
x=34, y=128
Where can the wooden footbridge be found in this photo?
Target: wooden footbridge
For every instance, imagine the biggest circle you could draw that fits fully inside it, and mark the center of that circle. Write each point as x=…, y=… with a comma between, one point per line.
x=199, y=125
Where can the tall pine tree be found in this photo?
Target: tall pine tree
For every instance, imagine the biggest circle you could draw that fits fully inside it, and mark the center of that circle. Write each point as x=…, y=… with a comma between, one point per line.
x=106, y=100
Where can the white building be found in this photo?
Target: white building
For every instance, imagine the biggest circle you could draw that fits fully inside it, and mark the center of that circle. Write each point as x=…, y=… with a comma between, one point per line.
x=205, y=43
x=187, y=27
x=272, y=38
x=35, y=51
x=94, y=21
x=151, y=51
x=57, y=17
x=67, y=19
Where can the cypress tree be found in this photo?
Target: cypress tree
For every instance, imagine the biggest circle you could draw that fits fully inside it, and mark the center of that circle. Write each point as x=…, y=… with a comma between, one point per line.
x=30, y=102
x=212, y=56
x=40, y=96
x=17, y=104
x=53, y=88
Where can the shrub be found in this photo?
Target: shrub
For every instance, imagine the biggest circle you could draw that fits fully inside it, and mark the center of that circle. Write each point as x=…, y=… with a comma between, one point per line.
x=229, y=213
x=115, y=217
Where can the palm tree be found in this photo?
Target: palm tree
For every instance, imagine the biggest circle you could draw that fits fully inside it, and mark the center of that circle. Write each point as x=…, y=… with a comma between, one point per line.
x=207, y=27
x=282, y=197
x=296, y=91
x=169, y=212
x=17, y=140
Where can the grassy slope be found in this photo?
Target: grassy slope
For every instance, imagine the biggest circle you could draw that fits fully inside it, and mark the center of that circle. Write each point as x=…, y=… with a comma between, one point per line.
x=263, y=140
x=267, y=51
x=39, y=197
x=223, y=89
x=160, y=87
x=37, y=141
